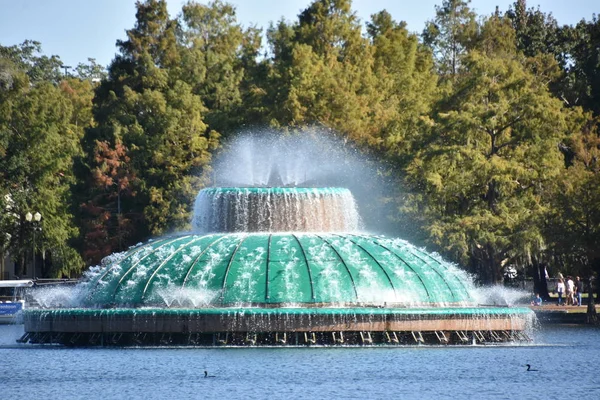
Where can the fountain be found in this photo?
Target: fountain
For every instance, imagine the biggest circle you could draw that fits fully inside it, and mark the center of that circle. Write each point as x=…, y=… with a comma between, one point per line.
x=276, y=266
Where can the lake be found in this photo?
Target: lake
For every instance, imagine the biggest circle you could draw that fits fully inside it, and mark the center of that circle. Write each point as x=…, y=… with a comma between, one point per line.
x=566, y=357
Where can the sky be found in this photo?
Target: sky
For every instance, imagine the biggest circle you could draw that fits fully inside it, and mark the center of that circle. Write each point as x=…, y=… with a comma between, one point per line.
x=76, y=30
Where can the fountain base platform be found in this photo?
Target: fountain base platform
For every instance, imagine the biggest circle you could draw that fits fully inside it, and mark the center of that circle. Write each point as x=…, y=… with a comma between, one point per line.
x=276, y=326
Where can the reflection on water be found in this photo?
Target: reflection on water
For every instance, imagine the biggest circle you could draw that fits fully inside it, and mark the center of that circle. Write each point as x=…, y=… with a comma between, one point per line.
x=495, y=372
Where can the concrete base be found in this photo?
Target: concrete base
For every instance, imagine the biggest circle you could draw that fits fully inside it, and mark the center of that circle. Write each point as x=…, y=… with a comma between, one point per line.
x=276, y=326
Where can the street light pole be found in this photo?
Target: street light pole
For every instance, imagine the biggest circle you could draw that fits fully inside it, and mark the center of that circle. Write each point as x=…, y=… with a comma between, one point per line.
x=35, y=221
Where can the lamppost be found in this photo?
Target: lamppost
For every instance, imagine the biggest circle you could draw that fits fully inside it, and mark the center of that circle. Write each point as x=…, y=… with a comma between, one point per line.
x=35, y=221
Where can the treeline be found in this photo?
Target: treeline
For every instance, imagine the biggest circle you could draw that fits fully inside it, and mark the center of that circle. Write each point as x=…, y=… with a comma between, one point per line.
x=487, y=126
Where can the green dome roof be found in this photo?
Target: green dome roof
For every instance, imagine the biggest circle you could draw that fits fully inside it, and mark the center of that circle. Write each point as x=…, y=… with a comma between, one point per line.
x=228, y=269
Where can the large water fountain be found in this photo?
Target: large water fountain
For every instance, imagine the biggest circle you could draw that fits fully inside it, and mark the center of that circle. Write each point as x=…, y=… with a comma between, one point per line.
x=275, y=266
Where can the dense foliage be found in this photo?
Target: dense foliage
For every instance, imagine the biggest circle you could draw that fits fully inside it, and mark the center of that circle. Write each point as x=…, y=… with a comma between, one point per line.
x=487, y=125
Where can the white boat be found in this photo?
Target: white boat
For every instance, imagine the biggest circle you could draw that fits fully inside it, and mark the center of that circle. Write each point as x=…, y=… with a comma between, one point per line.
x=12, y=300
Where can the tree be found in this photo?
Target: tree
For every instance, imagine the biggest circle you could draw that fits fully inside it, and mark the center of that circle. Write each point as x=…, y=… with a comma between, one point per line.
x=406, y=81
x=38, y=143
x=582, y=82
x=215, y=59
x=536, y=32
x=28, y=57
x=450, y=35
x=322, y=74
x=253, y=110
x=573, y=220
x=539, y=36
x=91, y=71
x=149, y=145
x=107, y=228
x=479, y=181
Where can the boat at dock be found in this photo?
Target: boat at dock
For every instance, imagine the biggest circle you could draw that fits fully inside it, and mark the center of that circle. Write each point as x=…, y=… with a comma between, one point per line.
x=12, y=300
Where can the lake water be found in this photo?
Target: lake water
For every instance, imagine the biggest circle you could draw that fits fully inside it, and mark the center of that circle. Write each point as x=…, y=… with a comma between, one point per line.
x=566, y=358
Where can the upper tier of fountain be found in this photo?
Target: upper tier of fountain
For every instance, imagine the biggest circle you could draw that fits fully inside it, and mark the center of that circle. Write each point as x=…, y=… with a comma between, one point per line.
x=275, y=209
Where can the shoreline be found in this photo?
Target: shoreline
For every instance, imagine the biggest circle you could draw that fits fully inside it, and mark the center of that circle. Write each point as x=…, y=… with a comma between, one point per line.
x=555, y=314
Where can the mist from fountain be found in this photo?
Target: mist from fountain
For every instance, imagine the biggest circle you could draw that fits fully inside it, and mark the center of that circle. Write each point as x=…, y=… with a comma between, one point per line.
x=498, y=295
x=311, y=158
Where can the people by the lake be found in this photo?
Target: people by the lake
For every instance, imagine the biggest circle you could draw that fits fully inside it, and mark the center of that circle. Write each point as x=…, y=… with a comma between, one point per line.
x=570, y=289
x=579, y=288
x=560, y=290
x=537, y=300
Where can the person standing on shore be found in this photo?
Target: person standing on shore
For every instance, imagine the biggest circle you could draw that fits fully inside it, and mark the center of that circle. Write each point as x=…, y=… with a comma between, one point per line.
x=570, y=297
x=560, y=290
x=579, y=287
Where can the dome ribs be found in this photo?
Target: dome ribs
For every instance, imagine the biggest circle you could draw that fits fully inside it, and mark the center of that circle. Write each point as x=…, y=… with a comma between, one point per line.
x=265, y=269
x=231, y=259
x=189, y=244
x=193, y=264
x=114, y=265
x=436, y=270
x=310, y=277
x=452, y=274
x=343, y=263
x=374, y=260
x=378, y=243
x=133, y=267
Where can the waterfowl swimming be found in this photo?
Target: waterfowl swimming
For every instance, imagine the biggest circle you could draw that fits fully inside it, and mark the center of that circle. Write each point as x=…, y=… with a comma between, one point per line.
x=206, y=375
x=529, y=368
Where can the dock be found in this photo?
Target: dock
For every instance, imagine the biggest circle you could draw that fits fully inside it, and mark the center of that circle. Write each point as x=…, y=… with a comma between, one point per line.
x=555, y=314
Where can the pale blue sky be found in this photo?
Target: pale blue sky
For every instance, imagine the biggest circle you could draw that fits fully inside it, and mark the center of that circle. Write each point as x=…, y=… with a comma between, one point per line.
x=78, y=29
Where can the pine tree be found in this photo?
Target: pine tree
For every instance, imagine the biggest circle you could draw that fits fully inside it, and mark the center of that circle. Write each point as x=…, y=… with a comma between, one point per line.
x=322, y=74
x=450, y=35
x=150, y=123
x=214, y=60
x=406, y=82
